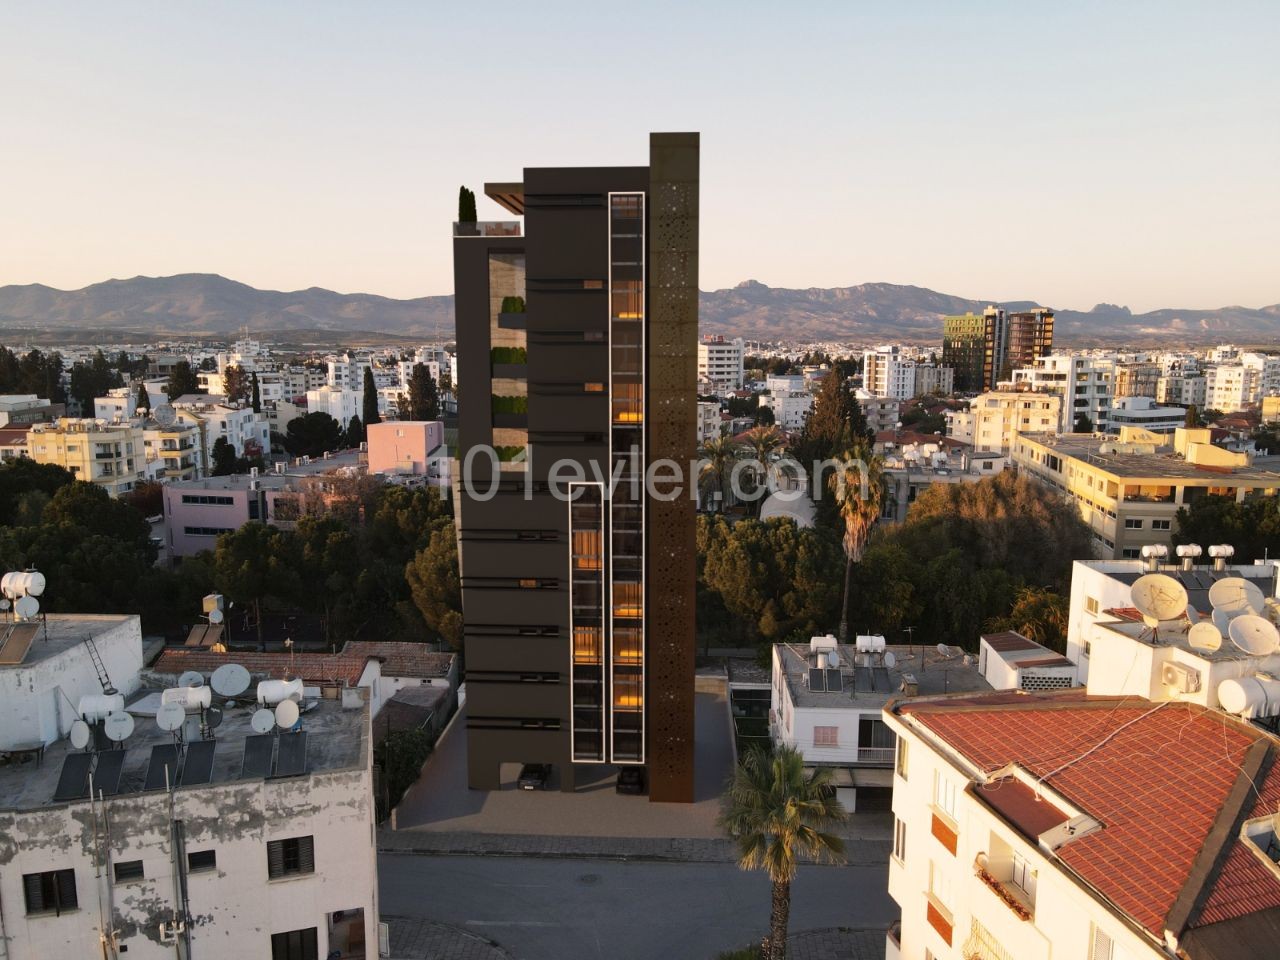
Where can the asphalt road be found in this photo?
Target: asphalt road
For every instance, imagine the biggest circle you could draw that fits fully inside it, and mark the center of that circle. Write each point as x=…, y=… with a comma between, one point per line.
x=550, y=909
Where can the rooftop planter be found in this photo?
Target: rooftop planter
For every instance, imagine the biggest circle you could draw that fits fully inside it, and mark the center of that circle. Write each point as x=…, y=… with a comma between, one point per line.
x=509, y=355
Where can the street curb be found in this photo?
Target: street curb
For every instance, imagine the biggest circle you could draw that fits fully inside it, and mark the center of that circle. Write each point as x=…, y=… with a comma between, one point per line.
x=587, y=855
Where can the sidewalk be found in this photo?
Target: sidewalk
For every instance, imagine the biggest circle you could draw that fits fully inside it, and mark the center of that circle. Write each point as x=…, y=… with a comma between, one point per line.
x=864, y=846
x=431, y=940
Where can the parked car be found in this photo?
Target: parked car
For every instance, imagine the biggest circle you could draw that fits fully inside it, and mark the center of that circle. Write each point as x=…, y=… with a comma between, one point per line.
x=534, y=776
x=631, y=780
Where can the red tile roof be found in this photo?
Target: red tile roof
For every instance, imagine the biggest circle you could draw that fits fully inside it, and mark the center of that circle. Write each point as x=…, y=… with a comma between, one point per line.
x=1008, y=640
x=400, y=659
x=312, y=667
x=1156, y=777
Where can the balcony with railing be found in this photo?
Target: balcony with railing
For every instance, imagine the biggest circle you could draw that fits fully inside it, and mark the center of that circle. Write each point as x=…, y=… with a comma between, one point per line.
x=876, y=756
x=487, y=228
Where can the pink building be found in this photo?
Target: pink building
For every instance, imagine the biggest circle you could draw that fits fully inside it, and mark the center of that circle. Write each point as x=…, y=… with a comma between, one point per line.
x=409, y=447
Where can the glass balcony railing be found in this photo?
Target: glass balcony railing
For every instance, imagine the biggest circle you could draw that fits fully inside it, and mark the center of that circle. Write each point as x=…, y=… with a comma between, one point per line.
x=487, y=228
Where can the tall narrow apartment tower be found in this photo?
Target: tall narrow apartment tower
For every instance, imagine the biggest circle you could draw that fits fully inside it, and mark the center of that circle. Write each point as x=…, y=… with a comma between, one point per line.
x=577, y=355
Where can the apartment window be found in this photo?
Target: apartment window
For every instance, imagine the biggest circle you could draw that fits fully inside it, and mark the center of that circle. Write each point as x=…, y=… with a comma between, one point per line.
x=1088, y=647
x=53, y=891
x=900, y=764
x=899, y=840
x=206, y=531
x=129, y=870
x=1131, y=553
x=944, y=795
x=1160, y=524
x=295, y=945
x=939, y=886
x=1091, y=605
x=202, y=860
x=291, y=857
x=1132, y=523
x=826, y=736
x=1024, y=877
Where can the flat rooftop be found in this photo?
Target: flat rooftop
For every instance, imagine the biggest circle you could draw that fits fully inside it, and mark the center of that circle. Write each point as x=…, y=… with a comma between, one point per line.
x=867, y=683
x=55, y=634
x=233, y=481
x=336, y=740
x=1162, y=464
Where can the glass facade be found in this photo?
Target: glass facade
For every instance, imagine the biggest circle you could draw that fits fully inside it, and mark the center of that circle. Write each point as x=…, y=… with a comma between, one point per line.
x=586, y=601
x=626, y=503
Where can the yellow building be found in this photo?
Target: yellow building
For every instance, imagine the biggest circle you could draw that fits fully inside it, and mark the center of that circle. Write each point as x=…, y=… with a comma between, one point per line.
x=108, y=454
x=1129, y=489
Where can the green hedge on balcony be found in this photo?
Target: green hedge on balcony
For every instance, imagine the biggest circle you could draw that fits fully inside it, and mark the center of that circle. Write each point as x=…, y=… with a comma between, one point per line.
x=510, y=404
x=509, y=355
x=507, y=454
x=513, y=304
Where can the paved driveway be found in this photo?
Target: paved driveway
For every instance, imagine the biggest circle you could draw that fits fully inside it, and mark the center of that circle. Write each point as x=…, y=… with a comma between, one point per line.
x=543, y=909
x=441, y=801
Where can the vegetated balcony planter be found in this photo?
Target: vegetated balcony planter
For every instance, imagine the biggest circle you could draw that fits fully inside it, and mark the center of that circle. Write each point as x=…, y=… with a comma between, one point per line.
x=1001, y=891
x=509, y=355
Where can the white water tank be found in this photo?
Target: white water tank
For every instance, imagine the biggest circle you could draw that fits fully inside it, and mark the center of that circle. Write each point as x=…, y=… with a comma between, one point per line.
x=870, y=644
x=192, y=698
x=273, y=691
x=820, y=644
x=1250, y=697
x=22, y=583
x=94, y=707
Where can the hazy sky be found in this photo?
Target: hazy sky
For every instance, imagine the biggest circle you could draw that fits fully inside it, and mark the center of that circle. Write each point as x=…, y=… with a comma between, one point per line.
x=1066, y=152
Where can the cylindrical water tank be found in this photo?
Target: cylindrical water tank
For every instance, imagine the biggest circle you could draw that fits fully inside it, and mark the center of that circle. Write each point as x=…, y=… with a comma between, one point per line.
x=273, y=691
x=94, y=707
x=1250, y=697
x=192, y=698
x=22, y=583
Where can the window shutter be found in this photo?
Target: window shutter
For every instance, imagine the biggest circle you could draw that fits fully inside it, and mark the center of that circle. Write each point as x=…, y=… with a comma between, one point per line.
x=275, y=858
x=67, y=890
x=1102, y=946
x=306, y=855
x=32, y=888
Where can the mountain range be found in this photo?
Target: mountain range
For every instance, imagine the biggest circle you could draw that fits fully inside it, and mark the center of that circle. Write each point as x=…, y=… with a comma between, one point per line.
x=208, y=305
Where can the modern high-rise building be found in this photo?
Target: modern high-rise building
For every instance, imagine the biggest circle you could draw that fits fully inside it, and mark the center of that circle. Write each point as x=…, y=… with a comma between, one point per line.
x=974, y=347
x=577, y=343
x=1029, y=337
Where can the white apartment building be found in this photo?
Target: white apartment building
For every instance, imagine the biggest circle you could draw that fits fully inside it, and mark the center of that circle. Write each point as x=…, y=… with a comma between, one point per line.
x=886, y=372
x=1144, y=413
x=1185, y=389
x=882, y=413
x=934, y=380
x=708, y=421
x=790, y=408
x=121, y=403
x=248, y=432
x=996, y=418
x=231, y=843
x=1231, y=386
x=1084, y=384
x=826, y=701
x=785, y=383
x=341, y=404
x=720, y=363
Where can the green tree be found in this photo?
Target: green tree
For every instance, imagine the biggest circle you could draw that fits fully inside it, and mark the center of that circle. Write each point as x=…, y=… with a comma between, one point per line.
x=147, y=497
x=370, y=408
x=255, y=393
x=761, y=445
x=253, y=563
x=777, y=813
x=835, y=423
x=1251, y=527
x=93, y=379
x=88, y=507
x=224, y=458
x=424, y=404
x=1083, y=424
x=714, y=470
x=858, y=487
x=235, y=384
x=1038, y=614
x=355, y=434
x=143, y=402
x=21, y=476
x=434, y=584
x=466, y=206
x=182, y=380
x=312, y=434
x=1192, y=419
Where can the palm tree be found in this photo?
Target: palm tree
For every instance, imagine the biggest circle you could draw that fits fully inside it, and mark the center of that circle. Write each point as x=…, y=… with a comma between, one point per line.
x=777, y=813
x=717, y=455
x=1038, y=614
x=859, y=490
x=761, y=444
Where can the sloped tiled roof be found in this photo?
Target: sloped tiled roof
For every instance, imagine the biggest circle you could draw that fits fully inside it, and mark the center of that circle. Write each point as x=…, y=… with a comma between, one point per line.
x=402, y=659
x=1156, y=776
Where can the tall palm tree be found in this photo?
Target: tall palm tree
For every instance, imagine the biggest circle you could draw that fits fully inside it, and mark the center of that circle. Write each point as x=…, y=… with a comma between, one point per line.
x=858, y=486
x=718, y=455
x=761, y=444
x=777, y=813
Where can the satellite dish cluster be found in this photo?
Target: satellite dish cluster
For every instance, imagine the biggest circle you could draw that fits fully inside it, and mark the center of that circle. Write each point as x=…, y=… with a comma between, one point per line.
x=1239, y=613
x=19, y=590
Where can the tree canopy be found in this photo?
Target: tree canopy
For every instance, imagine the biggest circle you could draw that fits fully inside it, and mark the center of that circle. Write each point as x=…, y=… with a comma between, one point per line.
x=182, y=380
x=1252, y=527
x=424, y=403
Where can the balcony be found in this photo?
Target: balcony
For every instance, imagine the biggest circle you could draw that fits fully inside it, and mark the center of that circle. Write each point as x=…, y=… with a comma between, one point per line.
x=487, y=228
x=876, y=756
x=1010, y=894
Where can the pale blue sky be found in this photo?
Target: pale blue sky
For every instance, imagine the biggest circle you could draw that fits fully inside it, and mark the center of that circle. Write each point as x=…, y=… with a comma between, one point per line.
x=1068, y=152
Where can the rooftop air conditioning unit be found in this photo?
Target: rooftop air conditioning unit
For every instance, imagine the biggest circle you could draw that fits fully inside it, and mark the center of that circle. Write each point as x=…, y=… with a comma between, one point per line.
x=1179, y=676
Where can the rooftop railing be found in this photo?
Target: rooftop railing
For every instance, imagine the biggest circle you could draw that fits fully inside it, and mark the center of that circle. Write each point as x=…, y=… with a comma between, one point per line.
x=487, y=228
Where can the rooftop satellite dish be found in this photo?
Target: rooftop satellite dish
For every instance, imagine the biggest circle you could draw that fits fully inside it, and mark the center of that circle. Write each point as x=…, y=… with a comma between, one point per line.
x=118, y=726
x=1236, y=596
x=79, y=735
x=1159, y=597
x=889, y=659
x=1255, y=635
x=26, y=607
x=286, y=714
x=230, y=680
x=165, y=415
x=216, y=616
x=944, y=649
x=170, y=716
x=4, y=603
x=263, y=721
x=1221, y=621
x=1204, y=636
x=213, y=718
x=191, y=678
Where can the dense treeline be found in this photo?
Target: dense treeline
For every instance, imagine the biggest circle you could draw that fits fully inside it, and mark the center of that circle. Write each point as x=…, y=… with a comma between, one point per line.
x=1252, y=527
